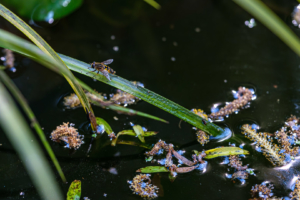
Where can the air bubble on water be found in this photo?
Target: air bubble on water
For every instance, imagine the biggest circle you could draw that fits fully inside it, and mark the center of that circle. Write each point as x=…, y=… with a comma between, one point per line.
x=251, y=23
x=175, y=44
x=22, y=193
x=228, y=175
x=215, y=108
x=197, y=29
x=144, y=129
x=116, y=48
x=202, y=167
x=242, y=145
x=235, y=94
x=164, y=39
x=173, y=59
x=225, y=161
x=112, y=37
x=113, y=170
x=225, y=81
x=49, y=17
x=258, y=149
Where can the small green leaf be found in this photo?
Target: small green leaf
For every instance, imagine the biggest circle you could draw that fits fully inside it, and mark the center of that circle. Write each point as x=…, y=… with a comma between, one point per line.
x=46, y=10
x=149, y=133
x=153, y=169
x=171, y=177
x=107, y=127
x=125, y=132
x=223, y=151
x=74, y=192
x=139, y=132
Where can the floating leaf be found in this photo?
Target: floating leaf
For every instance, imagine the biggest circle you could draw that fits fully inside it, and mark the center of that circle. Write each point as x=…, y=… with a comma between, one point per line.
x=153, y=169
x=139, y=132
x=223, y=151
x=132, y=143
x=74, y=192
x=107, y=127
x=125, y=132
x=45, y=10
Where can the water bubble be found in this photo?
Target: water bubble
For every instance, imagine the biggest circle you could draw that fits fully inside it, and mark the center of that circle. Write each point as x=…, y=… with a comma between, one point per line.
x=113, y=170
x=49, y=17
x=173, y=59
x=116, y=48
x=197, y=29
x=175, y=44
x=112, y=37
x=22, y=193
x=251, y=23
x=164, y=39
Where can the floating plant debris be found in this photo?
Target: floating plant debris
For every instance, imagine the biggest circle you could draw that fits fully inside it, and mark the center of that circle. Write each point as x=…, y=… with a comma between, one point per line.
x=223, y=151
x=202, y=137
x=271, y=151
x=251, y=23
x=73, y=101
x=74, y=191
x=9, y=59
x=141, y=185
x=263, y=192
x=295, y=195
x=124, y=98
x=67, y=134
x=243, y=97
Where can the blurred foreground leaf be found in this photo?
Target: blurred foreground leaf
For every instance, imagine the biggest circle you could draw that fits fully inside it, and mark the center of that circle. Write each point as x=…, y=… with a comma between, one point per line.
x=223, y=151
x=153, y=169
x=22, y=139
x=74, y=192
x=153, y=3
x=43, y=10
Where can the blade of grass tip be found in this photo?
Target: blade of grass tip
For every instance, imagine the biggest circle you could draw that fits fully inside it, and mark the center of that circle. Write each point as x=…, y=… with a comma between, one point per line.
x=22, y=101
x=264, y=14
x=44, y=46
x=30, y=153
x=153, y=3
x=146, y=95
x=119, y=108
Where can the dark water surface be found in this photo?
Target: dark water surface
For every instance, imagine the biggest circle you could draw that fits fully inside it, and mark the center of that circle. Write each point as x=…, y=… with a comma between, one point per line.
x=164, y=50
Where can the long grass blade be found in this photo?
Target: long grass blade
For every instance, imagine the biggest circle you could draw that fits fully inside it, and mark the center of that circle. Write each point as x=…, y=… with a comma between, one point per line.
x=17, y=44
x=20, y=136
x=146, y=95
x=34, y=123
x=153, y=3
x=43, y=45
x=264, y=14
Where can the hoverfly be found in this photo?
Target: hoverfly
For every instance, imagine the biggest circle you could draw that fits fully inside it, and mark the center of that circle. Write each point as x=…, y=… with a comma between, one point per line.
x=102, y=67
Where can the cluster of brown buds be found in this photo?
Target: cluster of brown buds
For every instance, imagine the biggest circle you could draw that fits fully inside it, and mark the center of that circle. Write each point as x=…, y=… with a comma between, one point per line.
x=296, y=193
x=263, y=192
x=141, y=185
x=168, y=161
x=243, y=95
x=68, y=134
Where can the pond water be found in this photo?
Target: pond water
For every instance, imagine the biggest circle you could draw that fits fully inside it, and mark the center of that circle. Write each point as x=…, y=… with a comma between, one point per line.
x=191, y=52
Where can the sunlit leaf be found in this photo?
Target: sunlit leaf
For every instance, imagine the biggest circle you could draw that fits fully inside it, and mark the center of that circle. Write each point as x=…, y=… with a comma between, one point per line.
x=153, y=3
x=223, y=151
x=153, y=169
x=74, y=192
x=125, y=132
x=139, y=132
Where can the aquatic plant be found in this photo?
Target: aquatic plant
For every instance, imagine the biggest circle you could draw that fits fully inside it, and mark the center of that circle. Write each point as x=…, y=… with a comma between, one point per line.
x=243, y=95
x=271, y=151
x=68, y=134
x=141, y=185
x=263, y=191
x=296, y=193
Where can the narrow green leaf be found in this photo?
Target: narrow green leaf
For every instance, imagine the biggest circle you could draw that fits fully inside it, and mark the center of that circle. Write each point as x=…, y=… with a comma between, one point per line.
x=223, y=151
x=117, y=108
x=125, y=132
x=146, y=95
x=74, y=192
x=107, y=127
x=45, y=10
x=132, y=143
x=153, y=3
x=139, y=132
x=22, y=101
x=52, y=57
x=14, y=43
x=22, y=139
x=264, y=14
x=153, y=169
x=149, y=133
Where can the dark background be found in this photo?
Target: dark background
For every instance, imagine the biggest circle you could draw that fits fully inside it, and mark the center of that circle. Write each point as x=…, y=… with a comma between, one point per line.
x=224, y=55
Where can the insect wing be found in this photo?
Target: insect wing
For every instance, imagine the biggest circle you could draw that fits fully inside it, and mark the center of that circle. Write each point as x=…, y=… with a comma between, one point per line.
x=107, y=62
x=106, y=74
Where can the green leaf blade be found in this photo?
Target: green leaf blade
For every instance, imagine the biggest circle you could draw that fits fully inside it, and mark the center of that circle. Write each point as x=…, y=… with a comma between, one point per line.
x=153, y=169
x=224, y=151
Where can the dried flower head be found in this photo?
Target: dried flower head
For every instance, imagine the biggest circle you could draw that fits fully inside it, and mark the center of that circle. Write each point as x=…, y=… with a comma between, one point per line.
x=72, y=101
x=235, y=162
x=202, y=137
x=201, y=113
x=296, y=193
x=141, y=185
x=271, y=151
x=285, y=141
x=244, y=96
x=68, y=135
